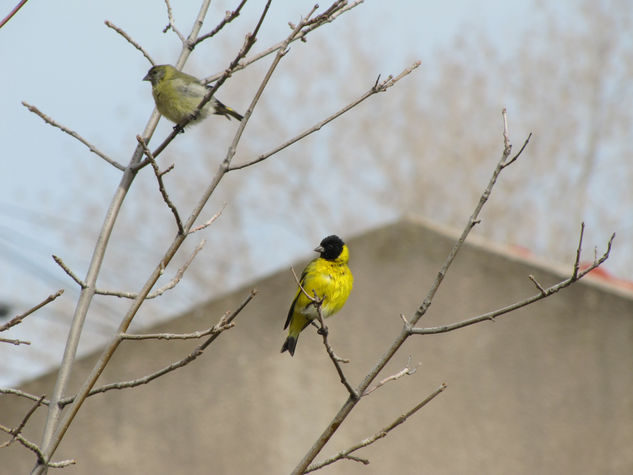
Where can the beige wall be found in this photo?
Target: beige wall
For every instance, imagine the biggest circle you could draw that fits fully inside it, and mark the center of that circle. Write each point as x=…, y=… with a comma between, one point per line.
x=547, y=390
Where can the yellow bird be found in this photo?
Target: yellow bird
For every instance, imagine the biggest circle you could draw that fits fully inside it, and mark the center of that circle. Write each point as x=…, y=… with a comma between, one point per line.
x=177, y=95
x=329, y=277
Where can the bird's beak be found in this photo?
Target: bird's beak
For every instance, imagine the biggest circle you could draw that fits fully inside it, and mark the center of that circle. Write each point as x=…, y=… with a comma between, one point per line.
x=146, y=78
x=319, y=249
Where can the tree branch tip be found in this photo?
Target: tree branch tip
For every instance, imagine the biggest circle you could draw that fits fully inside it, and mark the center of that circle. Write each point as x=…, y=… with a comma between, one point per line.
x=357, y=459
x=611, y=240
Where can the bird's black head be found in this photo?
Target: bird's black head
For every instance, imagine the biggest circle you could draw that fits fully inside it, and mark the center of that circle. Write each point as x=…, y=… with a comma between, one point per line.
x=155, y=74
x=331, y=247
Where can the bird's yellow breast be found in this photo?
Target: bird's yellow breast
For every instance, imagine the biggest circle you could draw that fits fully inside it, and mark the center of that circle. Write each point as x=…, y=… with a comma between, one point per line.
x=332, y=281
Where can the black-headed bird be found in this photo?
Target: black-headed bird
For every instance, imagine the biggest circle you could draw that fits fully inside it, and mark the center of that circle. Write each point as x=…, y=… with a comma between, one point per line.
x=327, y=276
x=177, y=95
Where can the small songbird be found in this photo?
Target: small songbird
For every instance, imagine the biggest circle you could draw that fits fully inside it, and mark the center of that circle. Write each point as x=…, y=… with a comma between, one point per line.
x=329, y=277
x=177, y=95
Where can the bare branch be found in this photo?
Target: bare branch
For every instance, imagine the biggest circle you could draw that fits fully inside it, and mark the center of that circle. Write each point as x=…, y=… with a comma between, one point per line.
x=161, y=185
x=172, y=25
x=578, y=251
x=300, y=36
x=170, y=285
x=345, y=454
x=208, y=223
x=16, y=431
x=376, y=88
x=129, y=39
x=518, y=154
x=73, y=134
x=14, y=341
x=18, y=392
x=36, y=450
x=576, y=275
x=58, y=260
x=225, y=323
x=18, y=318
x=336, y=360
x=406, y=371
x=230, y=16
x=12, y=13
x=507, y=146
x=217, y=328
x=538, y=286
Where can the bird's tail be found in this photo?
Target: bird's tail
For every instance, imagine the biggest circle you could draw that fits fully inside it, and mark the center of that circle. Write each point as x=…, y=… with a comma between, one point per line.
x=221, y=109
x=290, y=344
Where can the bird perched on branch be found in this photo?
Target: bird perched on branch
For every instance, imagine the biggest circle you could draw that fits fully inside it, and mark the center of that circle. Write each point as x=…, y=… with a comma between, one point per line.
x=326, y=278
x=177, y=95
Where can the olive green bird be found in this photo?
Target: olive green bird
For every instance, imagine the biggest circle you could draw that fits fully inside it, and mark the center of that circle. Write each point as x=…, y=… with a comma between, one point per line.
x=329, y=277
x=177, y=95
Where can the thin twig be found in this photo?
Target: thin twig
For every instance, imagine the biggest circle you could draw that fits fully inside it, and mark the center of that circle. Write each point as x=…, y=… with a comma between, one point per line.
x=513, y=159
x=312, y=298
x=535, y=282
x=576, y=275
x=225, y=323
x=507, y=146
x=276, y=47
x=36, y=450
x=170, y=285
x=73, y=134
x=18, y=392
x=578, y=251
x=406, y=371
x=16, y=431
x=12, y=12
x=161, y=184
x=172, y=25
x=376, y=88
x=345, y=454
x=336, y=360
x=129, y=39
x=18, y=318
x=217, y=328
x=14, y=341
x=58, y=260
x=229, y=17
x=208, y=223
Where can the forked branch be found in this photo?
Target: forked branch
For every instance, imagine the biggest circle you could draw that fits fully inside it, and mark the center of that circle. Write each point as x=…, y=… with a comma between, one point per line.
x=346, y=454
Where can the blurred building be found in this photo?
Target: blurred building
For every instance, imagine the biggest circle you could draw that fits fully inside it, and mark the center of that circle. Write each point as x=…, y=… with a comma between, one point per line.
x=547, y=389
